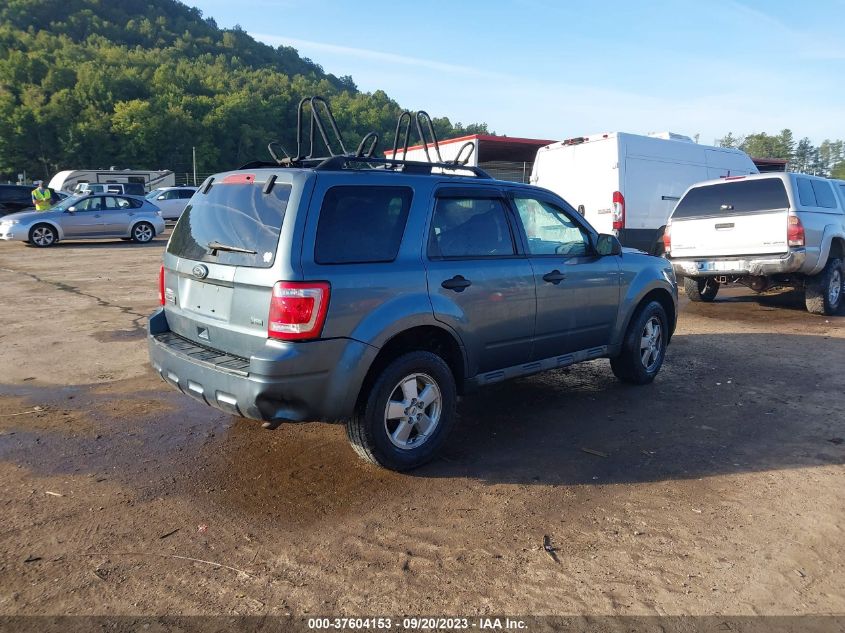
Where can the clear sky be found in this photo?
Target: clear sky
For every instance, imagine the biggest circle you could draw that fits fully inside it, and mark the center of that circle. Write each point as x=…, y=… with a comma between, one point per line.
x=546, y=69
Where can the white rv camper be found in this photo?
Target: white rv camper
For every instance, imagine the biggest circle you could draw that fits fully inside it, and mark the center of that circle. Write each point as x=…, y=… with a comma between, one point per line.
x=628, y=184
x=71, y=180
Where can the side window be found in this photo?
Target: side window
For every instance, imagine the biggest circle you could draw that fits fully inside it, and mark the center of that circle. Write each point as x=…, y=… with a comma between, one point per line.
x=806, y=195
x=123, y=203
x=131, y=202
x=824, y=194
x=550, y=231
x=88, y=204
x=173, y=194
x=470, y=227
x=186, y=194
x=361, y=225
x=110, y=202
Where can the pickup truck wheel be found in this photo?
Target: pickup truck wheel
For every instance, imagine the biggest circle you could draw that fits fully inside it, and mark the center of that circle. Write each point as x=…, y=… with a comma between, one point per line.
x=701, y=288
x=407, y=414
x=644, y=346
x=823, y=292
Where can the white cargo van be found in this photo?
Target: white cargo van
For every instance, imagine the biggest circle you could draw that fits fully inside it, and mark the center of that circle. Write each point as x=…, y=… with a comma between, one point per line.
x=628, y=184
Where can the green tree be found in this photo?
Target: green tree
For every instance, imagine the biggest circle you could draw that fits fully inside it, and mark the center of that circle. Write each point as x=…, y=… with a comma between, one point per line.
x=94, y=83
x=729, y=140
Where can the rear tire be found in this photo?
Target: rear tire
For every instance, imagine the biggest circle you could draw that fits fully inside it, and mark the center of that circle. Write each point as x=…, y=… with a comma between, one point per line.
x=823, y=292
x=701, y=288
x=644, y=347
x=407, y=414
x=43, y=235
x=143, y=232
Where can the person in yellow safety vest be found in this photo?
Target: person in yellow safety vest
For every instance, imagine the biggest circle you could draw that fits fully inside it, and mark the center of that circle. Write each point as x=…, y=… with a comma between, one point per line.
x=42, y=197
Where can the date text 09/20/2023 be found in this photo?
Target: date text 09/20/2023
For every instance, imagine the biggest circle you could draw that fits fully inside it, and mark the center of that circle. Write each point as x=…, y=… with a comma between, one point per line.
x=415, y=623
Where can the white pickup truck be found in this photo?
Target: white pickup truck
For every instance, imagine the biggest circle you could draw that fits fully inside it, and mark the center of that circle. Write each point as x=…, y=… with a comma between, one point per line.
x=762, y=231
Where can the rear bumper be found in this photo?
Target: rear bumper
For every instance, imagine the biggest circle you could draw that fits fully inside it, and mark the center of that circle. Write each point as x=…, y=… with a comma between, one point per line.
x=757, y=265
x=317, y=380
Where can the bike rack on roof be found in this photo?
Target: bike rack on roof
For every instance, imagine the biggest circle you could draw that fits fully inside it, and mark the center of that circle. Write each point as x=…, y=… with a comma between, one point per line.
x=364, y=154
x=335, y=163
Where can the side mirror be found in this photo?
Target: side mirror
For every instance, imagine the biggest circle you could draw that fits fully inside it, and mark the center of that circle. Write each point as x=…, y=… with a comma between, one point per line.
x=608, y=245
x=161, y=197
x=71, y=209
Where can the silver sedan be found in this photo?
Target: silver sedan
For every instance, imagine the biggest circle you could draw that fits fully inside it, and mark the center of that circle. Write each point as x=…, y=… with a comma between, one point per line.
x=86, y=217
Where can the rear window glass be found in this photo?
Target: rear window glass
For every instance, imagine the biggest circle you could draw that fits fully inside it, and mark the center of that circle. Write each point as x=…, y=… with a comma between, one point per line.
x=824, y=194
x=361, y=224
x=733, y=198
x=239, y=216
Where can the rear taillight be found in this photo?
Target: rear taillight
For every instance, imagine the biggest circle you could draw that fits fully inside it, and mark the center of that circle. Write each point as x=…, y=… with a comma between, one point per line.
x=667, y=239
x=298, y=309
x=794, y=231
x=161, y=285
x=618, y=211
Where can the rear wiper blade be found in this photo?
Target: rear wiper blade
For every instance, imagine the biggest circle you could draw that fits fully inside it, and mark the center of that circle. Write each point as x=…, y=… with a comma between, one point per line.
x=217, y=246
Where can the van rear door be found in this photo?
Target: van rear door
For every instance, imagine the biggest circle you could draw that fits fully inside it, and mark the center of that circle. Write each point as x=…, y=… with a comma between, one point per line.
x=585, y=175
x=732, y=218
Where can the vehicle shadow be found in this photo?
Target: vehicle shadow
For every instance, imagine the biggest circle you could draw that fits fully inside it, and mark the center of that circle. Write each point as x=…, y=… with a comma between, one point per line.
x=722, y=404
x=778, y=299
x=158, y=241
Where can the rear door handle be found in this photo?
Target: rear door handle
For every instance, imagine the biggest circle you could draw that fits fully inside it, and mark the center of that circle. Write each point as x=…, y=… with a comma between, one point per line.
x=457, y=283
x=554, y=277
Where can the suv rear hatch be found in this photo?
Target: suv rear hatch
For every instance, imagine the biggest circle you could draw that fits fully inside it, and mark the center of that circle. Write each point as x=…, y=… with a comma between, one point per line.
x=731, y=218
x=221, y=263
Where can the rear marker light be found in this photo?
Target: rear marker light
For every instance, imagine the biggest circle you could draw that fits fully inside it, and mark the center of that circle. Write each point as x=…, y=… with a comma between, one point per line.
x=298, y=310
x=161, y=285
x=794, y=231
x=618, y=212
x=667, y=239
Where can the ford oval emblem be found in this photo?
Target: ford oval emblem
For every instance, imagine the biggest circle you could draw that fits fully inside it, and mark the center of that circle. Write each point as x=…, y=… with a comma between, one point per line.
x=200, y=271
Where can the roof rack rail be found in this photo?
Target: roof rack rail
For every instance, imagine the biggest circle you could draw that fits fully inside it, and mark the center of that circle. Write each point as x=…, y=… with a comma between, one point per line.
x=334, y=163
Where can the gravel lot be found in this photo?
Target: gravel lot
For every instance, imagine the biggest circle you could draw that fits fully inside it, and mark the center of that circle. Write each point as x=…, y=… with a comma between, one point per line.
x=716, y=490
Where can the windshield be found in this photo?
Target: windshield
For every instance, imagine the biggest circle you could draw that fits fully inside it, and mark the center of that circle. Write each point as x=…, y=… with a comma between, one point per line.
x=67, y=202
x=152, y=195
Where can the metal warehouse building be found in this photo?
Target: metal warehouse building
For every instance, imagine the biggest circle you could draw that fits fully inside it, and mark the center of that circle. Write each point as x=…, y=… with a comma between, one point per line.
x=503, y=157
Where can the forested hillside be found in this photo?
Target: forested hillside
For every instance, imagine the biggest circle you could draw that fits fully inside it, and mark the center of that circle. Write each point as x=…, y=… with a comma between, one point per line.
x=94, y=83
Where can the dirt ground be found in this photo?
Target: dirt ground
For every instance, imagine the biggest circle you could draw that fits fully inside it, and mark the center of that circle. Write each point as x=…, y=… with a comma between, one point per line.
x=716, y=490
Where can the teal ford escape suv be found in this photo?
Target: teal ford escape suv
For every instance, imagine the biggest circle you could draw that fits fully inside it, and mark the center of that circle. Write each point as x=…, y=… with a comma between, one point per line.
x=377, y=291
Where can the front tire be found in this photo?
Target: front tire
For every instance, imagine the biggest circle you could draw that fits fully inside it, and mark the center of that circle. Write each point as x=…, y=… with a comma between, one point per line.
x=407, y=414
x=644, y=347
x=143, y=232
x=43, y=235
x=701, y=288
x=823, y=292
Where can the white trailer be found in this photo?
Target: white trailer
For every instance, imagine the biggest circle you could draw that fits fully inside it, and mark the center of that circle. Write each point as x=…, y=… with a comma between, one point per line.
x=628, y=184
x=150, y=179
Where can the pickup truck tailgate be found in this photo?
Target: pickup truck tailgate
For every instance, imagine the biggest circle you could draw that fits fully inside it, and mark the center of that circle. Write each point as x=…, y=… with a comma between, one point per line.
x=731, y=218
x=757, y=234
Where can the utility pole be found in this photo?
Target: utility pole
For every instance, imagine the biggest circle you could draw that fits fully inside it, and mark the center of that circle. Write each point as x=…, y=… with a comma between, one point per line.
x=195, y=165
